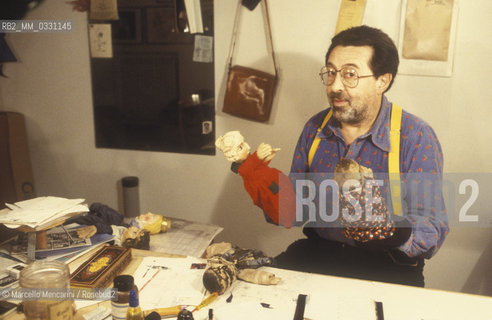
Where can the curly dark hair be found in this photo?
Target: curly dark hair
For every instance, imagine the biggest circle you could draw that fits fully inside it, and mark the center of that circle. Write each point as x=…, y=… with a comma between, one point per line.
x=385, y=54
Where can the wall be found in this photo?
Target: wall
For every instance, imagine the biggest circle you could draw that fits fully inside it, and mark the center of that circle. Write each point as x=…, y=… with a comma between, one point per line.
x=51, y=86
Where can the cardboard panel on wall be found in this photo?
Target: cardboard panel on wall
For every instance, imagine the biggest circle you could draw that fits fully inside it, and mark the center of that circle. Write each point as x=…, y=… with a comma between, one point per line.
x=16, y=178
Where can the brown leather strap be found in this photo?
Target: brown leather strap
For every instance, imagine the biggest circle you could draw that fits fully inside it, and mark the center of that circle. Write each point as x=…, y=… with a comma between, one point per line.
x=234, y=34
x=270, y=36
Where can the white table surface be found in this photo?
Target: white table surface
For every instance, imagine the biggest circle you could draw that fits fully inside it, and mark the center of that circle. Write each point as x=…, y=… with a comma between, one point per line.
x=343, y=298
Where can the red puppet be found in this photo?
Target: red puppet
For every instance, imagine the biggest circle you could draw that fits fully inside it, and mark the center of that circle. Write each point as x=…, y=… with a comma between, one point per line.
x=268, y=187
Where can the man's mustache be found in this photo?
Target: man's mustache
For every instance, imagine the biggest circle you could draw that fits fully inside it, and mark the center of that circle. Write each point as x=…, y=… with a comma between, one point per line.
x=338, y=95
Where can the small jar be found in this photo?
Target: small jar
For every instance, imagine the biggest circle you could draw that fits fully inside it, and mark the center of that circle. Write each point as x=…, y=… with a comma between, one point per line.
x=123, y=285
x=42, y=276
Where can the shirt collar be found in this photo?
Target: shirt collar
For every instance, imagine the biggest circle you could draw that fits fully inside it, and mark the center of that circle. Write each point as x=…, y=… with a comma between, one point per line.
x=379, y=133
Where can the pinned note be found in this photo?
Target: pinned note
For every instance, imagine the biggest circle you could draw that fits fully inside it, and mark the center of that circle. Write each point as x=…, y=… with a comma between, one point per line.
x=350, y=14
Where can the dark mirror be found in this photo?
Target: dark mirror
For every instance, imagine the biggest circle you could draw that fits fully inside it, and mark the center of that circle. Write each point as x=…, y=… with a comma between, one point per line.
x=156, y=92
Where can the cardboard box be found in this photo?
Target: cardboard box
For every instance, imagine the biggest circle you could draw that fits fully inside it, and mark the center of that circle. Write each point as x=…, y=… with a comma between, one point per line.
x=16, y=178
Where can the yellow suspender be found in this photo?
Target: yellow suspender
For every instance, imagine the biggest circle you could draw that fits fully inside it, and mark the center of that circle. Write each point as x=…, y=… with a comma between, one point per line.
x=393, y=157
x=316, y=140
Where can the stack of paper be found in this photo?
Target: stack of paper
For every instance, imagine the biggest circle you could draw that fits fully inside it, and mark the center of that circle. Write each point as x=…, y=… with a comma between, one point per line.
x=185, y=238
x=39, y=212
x=176, y=273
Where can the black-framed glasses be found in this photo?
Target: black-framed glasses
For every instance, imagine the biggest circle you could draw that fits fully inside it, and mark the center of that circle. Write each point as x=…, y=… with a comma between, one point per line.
x=350, y=76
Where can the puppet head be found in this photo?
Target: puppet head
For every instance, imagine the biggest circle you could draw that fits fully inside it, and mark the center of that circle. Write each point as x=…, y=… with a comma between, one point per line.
x=233, y=145
x=349, y=170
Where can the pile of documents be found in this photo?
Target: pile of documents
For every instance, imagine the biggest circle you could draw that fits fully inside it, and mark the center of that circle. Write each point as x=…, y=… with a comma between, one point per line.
x=40, y=212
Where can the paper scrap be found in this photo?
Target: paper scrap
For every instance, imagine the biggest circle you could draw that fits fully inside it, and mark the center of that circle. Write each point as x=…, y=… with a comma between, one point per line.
x=184, y=284
x=103, y=10
x=41, y=210
x=350, y=14
x=203, y=49
x=427, y=29
x=100, y=40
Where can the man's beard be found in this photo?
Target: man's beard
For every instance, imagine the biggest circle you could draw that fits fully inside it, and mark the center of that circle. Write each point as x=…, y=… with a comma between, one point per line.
x=350, y=114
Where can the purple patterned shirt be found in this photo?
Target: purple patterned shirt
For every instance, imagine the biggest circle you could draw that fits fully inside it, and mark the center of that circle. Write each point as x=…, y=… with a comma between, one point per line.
x=421, y=162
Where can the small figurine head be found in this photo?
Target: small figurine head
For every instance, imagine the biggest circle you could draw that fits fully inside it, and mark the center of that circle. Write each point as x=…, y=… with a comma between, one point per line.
x=350, y=170
x=233, y=145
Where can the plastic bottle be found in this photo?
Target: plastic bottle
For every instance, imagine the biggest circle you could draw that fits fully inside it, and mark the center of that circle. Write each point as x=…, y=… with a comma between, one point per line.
x=134, y=311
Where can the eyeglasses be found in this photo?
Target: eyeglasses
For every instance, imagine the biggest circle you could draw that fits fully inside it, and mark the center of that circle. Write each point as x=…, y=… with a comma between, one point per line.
x=350, y=76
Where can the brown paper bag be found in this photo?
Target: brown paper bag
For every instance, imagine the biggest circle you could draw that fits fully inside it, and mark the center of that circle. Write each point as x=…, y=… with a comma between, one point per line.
x=427, y=29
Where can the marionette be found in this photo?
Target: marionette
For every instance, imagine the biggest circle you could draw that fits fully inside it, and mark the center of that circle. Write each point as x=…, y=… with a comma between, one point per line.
x=228, y=263
x=269, y=188
x=364, y=212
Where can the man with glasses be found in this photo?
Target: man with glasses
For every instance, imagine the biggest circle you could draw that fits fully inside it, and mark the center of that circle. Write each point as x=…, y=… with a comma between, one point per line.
x=360, y=66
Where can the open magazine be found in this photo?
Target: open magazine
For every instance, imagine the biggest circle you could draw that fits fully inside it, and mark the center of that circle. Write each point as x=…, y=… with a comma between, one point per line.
x=57, y=238
x=60, y=240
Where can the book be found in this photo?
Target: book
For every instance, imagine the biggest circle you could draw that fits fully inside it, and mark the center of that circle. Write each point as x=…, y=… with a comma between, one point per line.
x=71, y=256
x=101, y=268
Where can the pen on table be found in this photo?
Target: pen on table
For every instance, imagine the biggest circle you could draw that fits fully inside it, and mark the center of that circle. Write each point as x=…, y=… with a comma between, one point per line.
x=206, y=301
x=379, y=310
x=300, y=306
x=146, y=283
x=154, y=267
x=146, y=272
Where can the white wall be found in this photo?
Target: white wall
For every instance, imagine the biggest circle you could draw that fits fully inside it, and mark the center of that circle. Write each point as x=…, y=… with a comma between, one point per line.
x=51, y=86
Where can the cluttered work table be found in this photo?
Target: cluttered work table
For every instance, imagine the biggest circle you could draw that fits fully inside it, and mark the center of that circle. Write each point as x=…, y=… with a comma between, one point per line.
x=327, y=297
x=171, y=274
